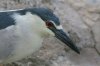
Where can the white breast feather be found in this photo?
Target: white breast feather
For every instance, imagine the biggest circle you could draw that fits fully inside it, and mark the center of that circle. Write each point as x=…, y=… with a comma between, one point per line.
x=31, y=30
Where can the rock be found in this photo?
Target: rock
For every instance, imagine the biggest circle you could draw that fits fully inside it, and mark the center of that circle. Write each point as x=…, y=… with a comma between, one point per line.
x=88, y=57
x=96, y=32
x=80, y=20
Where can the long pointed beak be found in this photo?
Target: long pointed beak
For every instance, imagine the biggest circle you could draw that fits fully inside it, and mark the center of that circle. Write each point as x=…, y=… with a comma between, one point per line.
x=61, y=35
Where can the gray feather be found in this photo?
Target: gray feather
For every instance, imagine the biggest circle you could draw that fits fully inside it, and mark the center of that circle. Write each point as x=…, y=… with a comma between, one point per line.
x=7, y=42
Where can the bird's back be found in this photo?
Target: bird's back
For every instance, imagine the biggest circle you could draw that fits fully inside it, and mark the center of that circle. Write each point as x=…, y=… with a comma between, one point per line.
x=6, y=20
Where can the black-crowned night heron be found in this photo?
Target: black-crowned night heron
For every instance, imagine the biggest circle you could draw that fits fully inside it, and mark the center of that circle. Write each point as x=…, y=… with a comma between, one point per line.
x=22, y=32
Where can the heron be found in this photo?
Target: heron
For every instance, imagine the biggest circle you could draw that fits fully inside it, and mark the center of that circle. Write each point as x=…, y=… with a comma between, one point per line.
x=22, y=32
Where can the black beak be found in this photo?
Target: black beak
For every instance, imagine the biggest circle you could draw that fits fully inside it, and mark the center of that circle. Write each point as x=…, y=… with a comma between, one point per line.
x=61, y=35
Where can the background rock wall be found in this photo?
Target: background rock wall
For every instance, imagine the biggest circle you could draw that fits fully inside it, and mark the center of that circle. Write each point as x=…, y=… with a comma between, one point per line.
x=80, y=20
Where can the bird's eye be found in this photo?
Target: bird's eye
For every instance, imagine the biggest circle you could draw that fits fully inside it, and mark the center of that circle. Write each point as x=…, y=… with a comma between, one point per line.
x=49, y=24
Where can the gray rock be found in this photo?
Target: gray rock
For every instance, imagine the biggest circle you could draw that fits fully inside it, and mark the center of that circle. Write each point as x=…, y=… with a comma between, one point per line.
x=80, y=20
x=96, y=32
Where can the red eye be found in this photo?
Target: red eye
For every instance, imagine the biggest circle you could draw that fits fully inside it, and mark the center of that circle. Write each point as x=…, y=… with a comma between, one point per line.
x=49, y=24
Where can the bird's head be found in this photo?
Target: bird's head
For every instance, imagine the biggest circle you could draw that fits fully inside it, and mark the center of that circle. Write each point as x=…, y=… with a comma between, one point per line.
x=52, y=24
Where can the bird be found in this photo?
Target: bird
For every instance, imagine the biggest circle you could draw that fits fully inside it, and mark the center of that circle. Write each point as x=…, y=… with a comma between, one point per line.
x=22, y=32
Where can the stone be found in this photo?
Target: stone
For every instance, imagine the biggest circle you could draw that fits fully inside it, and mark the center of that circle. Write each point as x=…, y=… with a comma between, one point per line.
x=96, y=32
x=80, y=20
x=88, y=57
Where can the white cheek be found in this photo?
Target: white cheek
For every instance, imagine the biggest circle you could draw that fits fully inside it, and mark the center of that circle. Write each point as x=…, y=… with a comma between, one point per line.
x=59, y=27
x=48, y=33
x=51, y=33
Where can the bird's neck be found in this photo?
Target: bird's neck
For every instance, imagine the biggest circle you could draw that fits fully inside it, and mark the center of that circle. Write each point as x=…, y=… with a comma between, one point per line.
x=30, y=23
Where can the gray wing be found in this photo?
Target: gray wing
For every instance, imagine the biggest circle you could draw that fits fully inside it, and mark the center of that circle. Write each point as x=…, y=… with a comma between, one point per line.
x=7, y=39
x=6, y=20
x=7, y=42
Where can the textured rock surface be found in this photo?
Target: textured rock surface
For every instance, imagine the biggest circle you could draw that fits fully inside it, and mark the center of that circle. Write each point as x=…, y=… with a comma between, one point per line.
x=80, y=19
